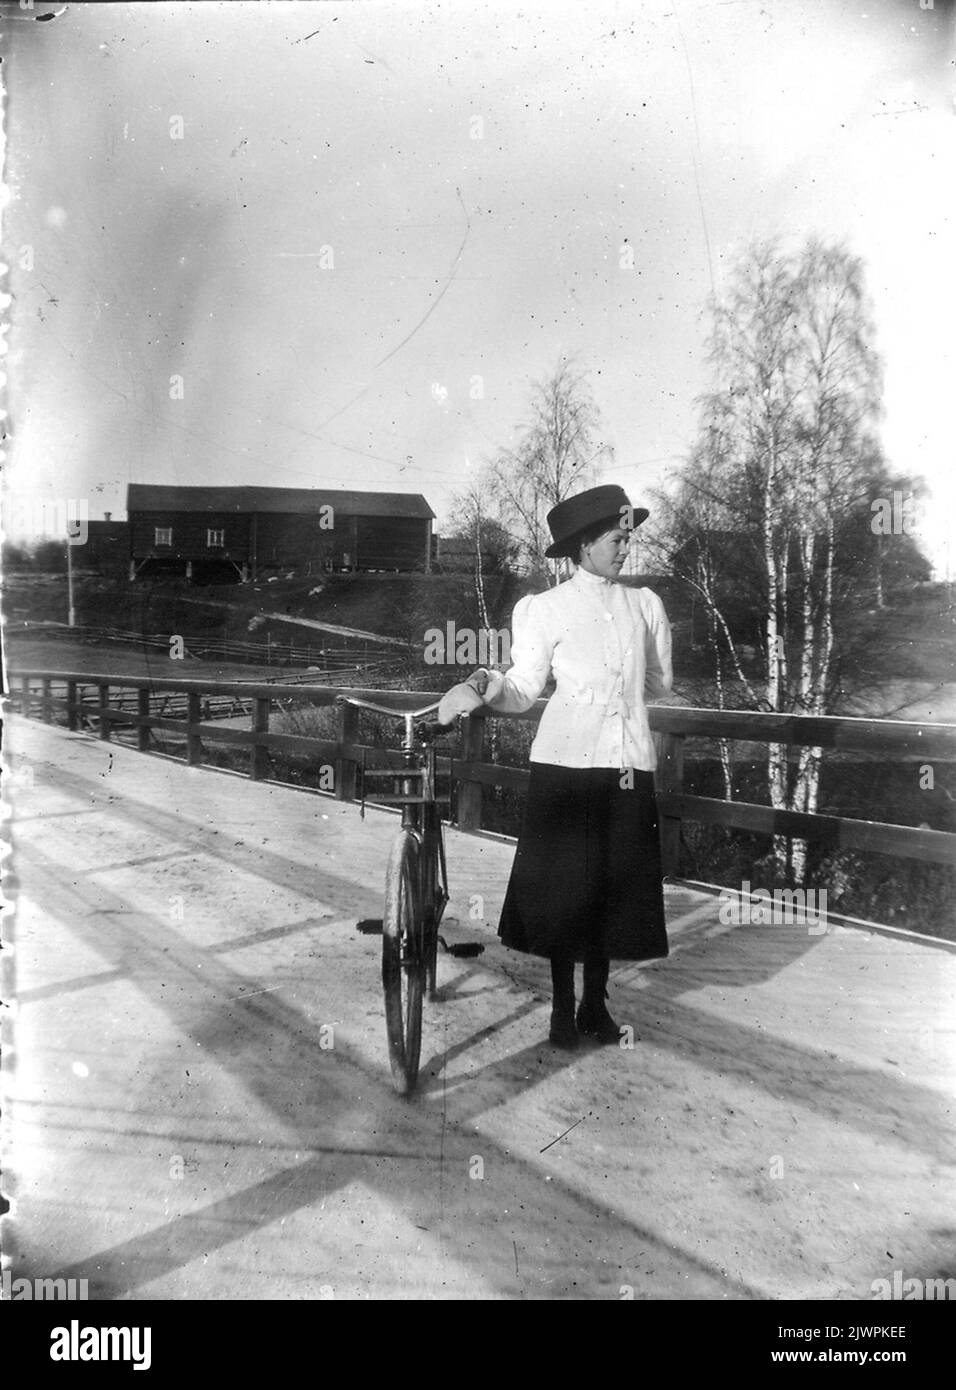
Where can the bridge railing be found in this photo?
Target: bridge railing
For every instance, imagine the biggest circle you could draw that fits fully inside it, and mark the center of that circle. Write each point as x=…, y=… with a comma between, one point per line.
x=105, y=703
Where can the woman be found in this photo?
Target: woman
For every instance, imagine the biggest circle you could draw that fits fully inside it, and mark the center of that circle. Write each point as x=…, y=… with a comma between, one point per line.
x=586, y=881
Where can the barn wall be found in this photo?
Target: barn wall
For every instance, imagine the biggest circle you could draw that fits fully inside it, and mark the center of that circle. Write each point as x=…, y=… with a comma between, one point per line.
x=299, y=539
x=294, y=540
x=390, y=543
x=189, y=535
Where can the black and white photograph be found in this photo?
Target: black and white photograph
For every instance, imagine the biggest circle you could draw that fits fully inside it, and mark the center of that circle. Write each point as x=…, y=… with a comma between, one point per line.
x=479, y=723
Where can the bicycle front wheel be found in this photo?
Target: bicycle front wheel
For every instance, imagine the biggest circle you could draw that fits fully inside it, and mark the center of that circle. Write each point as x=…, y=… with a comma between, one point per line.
x=404, y=960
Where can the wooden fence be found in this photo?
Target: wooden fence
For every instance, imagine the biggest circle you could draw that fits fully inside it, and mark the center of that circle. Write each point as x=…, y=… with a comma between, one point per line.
x=104, y=703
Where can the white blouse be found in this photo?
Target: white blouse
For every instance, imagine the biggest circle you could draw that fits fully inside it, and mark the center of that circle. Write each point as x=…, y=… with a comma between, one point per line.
x=609, y=649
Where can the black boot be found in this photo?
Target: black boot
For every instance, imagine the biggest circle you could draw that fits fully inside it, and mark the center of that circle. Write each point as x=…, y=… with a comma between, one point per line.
x=563, y=1032
x=594, y=1021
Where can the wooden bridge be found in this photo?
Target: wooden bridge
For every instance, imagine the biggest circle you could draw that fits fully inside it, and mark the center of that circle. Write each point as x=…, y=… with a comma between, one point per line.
x=198, y=1097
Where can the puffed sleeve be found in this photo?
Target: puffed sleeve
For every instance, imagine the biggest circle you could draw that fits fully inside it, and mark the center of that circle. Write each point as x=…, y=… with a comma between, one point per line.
x=516, y=690
x=659, y=676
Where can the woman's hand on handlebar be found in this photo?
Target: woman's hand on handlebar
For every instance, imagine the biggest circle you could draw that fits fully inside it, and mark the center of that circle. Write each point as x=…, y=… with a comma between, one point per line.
x=461, y=699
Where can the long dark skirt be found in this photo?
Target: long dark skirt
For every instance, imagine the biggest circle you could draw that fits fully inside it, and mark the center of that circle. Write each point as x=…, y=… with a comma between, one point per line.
x=586, y=878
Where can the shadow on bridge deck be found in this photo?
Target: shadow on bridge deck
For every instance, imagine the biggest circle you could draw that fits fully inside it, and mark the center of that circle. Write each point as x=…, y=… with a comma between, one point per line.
x=200, y=1106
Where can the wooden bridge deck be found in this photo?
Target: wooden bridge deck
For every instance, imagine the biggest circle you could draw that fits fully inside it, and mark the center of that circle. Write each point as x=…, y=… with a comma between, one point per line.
x=199, y=1104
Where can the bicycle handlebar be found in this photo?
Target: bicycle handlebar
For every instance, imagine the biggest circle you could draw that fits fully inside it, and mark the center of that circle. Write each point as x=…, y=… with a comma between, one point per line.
x=389, y=710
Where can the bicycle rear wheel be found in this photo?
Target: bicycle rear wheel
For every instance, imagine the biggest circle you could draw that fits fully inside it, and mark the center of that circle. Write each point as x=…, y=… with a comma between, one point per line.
x=403, y=960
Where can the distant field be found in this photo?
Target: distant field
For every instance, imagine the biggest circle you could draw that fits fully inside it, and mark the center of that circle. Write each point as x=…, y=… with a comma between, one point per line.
x=394, y=605
x=63, y=654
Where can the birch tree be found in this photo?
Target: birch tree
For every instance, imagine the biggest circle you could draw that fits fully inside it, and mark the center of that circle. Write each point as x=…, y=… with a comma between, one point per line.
x=785, y=452
x=555, y=456
x=493, y=548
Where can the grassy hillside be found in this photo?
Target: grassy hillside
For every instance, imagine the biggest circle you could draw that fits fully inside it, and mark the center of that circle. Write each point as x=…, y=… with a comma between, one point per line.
x=396, y=605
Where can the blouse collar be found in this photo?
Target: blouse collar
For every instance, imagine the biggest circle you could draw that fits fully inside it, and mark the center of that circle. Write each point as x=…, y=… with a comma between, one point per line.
x=587, y=577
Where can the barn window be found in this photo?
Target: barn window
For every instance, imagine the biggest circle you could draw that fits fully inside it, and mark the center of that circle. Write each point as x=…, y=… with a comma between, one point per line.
x=215, y=538
x=164, y=535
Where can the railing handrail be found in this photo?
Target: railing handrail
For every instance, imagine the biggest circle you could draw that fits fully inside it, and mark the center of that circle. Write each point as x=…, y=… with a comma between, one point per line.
x=850, y=732
x=468, y=768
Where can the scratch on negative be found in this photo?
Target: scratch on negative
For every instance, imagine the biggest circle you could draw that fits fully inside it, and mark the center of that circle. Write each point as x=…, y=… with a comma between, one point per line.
x=561, y=1136
x=441, y=293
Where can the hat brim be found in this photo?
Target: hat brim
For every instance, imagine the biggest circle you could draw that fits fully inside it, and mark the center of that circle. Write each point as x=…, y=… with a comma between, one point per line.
x=568, y=547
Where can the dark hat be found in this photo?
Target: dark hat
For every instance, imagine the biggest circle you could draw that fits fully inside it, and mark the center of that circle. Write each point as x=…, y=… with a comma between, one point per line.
x=575, y=514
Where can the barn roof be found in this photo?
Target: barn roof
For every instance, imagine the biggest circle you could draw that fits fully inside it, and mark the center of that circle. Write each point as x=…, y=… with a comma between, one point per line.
x=157, y=497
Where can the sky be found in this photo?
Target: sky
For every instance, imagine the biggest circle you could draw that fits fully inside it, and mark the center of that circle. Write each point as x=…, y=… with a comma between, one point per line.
x=334, y=245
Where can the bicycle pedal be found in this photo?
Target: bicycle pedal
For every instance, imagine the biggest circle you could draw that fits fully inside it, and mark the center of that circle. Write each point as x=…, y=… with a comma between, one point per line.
x=370, y=926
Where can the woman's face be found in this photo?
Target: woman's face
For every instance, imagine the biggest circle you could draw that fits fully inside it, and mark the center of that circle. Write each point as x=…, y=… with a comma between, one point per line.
x=607, y=554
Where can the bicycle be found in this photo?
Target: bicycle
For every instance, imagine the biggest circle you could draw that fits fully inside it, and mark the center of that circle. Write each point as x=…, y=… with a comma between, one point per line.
x=416, y=889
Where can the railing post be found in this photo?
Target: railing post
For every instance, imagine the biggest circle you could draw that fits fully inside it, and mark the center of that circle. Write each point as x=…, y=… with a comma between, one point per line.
x=104, y=706
x=346, y=731
x=258, y=754
x=72, y=714
x=471, y=744
x=142, y=709
x=46, y=701
x=670, y=782
x=193, y=740
x=25, y=696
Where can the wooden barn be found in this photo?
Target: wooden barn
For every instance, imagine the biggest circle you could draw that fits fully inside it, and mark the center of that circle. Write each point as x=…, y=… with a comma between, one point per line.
x=209, y=533
x=106, y=550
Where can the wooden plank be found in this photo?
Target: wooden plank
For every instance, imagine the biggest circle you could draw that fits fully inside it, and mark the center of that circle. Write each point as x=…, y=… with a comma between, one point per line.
x=259, y=758
x=345, y=766
x=104, y=709
x=315, y=693
x=838, y=832
x=669, y=782
x=143, y=731
x=121, y=717
x=193, y=735
x=486, y=774
x=470, y=748
x=805, y=731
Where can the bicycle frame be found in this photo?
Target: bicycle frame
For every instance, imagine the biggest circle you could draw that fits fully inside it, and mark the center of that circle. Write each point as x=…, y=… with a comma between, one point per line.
x=420, y=816
x=416, y=892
